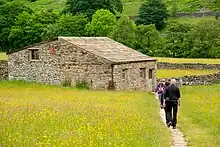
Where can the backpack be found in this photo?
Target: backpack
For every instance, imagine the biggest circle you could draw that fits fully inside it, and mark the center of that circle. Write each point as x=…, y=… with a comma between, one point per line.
x=160, y=89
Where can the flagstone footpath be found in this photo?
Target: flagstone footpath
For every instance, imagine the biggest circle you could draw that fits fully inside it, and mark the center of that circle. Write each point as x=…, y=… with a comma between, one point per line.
x=177, y=136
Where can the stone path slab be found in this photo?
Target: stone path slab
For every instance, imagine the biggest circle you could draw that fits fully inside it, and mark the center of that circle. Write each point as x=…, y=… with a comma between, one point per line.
x=177, y=136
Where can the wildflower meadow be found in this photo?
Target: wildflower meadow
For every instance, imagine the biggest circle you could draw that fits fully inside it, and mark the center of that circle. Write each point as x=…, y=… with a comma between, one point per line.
x=40, y=115
x=199, y=115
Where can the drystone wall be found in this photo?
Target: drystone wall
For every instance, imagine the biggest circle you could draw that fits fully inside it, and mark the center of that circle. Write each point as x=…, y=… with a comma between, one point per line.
x=196, y=80
x=166, y=65
x=3, y=70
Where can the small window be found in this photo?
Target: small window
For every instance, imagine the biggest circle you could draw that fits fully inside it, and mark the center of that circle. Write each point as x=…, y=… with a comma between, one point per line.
x=143, y=73
x=34, y=54
x=150, y=73
x=124, y=73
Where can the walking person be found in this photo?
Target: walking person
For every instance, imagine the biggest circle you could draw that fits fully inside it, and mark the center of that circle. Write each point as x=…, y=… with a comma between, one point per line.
x=172, y=100
x=163, y=98
x=159, y=91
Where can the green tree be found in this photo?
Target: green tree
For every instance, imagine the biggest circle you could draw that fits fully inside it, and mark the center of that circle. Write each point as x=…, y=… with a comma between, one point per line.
x=174, y=8
x=124, y=32
x=153, y=12
x=148, y=40
x=8, y=16
x=89, y=7
x=177, y=40
x=67, y=25
x=103, y=22
x=205, y=37
x=29, y=28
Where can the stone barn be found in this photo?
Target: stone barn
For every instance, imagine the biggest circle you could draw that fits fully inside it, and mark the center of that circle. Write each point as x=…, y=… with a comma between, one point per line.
x=100, y=62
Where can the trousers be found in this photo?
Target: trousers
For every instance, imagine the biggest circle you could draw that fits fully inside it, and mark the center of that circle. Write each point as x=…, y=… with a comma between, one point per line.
x=171, y=111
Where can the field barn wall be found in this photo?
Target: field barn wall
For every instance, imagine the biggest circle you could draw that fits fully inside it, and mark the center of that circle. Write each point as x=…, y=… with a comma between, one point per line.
x=68, y=62
x=166, y=65
x=3, y=70
x=133, y=80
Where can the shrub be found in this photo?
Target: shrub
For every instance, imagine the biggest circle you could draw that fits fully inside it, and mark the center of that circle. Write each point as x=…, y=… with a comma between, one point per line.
x=82, y=85
x=66, y=83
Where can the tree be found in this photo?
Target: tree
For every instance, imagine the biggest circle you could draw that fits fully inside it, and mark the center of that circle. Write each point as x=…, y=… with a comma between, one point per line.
x=124, y=32
x=205, y=37
x=8, y=16
x=67, y=25
x=89, y=7
x=148, y=40
x=177, y=40
x=174, y=8
x=153, y=12
x=103, y=22
x=29, y=28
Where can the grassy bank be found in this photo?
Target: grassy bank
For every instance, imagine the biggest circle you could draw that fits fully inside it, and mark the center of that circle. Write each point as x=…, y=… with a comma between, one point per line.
x=199, y=116
x=167, y=73
x=3, y=56
x=45, y=115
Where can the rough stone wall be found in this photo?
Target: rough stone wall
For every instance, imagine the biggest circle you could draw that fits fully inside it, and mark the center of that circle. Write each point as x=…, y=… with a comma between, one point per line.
x=82, y=66
x=134, y=81
x=66, y=63
x=166, y=65
x=197, y=80
x=45, y=70
x=3, y=70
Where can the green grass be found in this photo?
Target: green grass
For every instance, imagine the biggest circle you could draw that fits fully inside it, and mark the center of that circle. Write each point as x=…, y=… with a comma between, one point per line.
x=3, y=56
x=167, y=73
x=35, y=114
x=191, y=20
x=199, y=115
x=188, y=60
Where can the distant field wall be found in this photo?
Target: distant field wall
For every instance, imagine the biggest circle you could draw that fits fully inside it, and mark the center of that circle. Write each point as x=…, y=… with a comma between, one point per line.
x=199, y=66
x=3, y=70
x=196, y=80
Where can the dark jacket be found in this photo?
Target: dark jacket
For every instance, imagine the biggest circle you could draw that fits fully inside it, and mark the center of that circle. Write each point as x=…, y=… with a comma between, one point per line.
x=172, y=92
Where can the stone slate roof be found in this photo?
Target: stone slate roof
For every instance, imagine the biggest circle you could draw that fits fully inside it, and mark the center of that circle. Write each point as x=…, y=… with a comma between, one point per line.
x=108, y=49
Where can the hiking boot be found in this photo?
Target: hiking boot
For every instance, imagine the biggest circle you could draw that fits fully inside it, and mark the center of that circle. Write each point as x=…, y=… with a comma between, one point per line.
x=169, y=124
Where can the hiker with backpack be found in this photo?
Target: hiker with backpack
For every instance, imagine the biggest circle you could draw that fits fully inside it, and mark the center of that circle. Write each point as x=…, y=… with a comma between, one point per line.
x=163, y=100
x=159, y=91
x=172, y=100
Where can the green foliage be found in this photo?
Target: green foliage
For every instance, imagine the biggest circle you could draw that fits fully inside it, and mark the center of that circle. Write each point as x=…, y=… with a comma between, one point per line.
x=124, y=31
x=29, y=28
x=82, y=85
x=148, y=40
x=205, y=38
x=144, y=38
x=8, y=17
x=174, y=8
x=153, y=12
x=67, y=25
x=66, y=83
x=177, y=40
x=103, y=22
x=89, y=7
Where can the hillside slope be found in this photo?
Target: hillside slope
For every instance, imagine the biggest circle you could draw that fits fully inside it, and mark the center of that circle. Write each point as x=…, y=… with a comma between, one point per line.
x=131, y=7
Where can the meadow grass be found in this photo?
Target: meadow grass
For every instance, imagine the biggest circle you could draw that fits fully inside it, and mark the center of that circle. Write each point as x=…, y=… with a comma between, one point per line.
x=199, y=115
x=167, y=73
x=35, y=114
x=188, y=60
x=191, y=20
x=3, y=56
